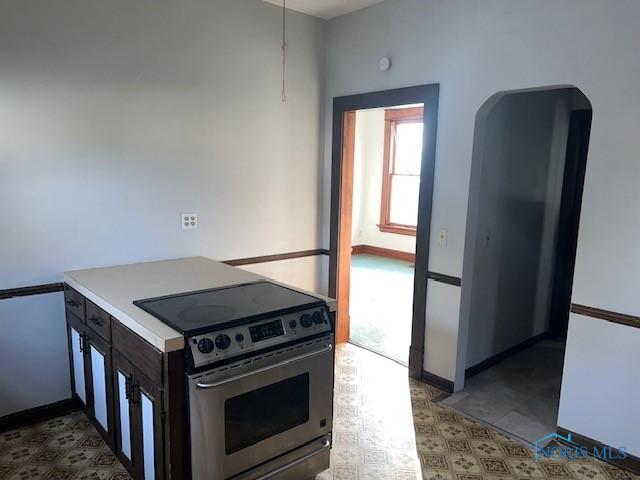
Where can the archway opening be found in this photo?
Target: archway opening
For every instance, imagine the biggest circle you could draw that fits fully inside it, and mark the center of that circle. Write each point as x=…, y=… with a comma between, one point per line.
x=529, y=160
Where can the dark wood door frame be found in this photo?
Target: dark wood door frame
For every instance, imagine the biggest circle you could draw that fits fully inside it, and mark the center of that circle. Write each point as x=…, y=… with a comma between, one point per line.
x=569, y=221
x=427, y=95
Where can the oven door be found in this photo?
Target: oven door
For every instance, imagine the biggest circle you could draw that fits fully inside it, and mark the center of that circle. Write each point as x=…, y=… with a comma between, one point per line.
x=250, y=412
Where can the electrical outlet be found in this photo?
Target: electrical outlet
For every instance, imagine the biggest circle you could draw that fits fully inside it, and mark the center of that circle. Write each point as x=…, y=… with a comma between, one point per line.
x=189, y=221
x=442, y=238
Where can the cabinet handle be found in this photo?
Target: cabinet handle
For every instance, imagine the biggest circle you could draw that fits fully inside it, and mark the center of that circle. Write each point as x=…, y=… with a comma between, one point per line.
x=135, y=393
x=73, y=303
x=81, y=342
x=127, y=388
x=84, y=340
x=96, y=321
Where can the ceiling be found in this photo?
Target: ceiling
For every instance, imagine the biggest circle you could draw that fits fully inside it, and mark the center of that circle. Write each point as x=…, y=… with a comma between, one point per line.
x=326, y=8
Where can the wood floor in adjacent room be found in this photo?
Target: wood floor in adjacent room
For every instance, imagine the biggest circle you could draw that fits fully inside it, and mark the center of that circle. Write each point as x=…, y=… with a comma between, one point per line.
x=386, y=427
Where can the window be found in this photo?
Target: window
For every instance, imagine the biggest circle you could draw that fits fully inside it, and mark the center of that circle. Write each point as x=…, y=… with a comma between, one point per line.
x=401, y=174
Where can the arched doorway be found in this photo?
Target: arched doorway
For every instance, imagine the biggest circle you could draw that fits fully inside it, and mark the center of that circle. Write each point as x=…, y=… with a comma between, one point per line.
x=529, y=160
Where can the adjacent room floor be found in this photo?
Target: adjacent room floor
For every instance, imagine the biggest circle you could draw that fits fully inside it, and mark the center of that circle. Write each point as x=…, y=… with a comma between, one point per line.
x=386, y=427
x=381, y=304
x=520, y=395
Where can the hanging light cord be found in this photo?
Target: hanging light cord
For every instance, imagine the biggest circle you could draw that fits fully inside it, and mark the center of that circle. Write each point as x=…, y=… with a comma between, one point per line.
x=284, y=50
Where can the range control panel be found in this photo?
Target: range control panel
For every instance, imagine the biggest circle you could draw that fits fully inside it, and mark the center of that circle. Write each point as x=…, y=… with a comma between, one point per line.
x=231, y=342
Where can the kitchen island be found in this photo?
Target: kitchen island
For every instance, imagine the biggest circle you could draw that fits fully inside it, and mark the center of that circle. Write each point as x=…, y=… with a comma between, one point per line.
x=131, y=371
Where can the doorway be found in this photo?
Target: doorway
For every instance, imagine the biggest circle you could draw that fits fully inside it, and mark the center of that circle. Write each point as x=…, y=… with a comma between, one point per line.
x=385, y=148
x=342, y=225
x=529, y=160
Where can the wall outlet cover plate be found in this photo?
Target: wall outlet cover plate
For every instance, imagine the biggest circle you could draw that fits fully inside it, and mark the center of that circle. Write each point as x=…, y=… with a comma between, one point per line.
x=189, y=221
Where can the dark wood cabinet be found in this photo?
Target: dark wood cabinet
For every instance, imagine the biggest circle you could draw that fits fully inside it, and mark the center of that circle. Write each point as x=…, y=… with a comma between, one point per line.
x=139, y=417
x=76, y=337
x=149, y=409
x=74, y=302
x=91, y=374
x=120, y=378
x=124, y=408
x=99, y=321
x=100, y=385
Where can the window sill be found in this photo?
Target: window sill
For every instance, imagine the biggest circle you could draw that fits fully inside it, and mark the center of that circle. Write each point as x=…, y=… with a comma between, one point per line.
x=398, y=229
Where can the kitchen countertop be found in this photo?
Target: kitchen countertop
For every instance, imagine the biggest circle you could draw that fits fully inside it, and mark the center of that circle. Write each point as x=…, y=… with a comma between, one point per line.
x=114, y=289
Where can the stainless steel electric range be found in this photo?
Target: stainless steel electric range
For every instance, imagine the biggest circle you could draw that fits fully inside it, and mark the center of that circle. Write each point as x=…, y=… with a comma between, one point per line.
x=259, y=378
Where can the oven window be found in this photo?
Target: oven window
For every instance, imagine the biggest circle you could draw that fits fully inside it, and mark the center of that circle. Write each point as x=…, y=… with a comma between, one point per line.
x=257, y=415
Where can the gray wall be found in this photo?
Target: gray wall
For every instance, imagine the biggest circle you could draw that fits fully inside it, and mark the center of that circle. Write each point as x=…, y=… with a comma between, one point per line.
x=117, y=116
x=516, y=188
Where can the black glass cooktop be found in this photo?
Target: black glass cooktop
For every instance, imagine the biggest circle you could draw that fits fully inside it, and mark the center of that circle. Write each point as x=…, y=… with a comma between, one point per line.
x=206, y=310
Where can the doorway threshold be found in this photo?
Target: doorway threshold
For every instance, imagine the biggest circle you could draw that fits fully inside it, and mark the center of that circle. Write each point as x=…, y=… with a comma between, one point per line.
x=399, y=362
x=501, y=430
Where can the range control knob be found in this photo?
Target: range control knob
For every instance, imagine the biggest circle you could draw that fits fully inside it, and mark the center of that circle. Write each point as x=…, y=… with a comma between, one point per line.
x=205, y=345
x=317, y=318
x=223, y=341
x=239, y=337
x=306, y=321
x=293, y=324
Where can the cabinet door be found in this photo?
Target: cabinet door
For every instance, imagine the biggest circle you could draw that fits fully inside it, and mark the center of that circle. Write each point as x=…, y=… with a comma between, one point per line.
x=99, y=375
x=77, y=359
x=124, y=412
x=148, y=399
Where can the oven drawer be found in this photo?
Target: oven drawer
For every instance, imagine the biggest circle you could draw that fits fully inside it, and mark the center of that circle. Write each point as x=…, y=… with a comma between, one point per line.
x=303, y=463
x=258, y=409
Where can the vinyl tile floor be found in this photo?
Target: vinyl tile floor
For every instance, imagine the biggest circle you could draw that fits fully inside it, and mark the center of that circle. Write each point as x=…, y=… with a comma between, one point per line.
x=386, y=427
x=64, y=448
x=519, y=395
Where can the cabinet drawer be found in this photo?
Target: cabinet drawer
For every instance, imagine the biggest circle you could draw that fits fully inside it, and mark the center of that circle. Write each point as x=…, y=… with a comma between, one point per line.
x=140, y=353
x=74, y=302
x=99, y=321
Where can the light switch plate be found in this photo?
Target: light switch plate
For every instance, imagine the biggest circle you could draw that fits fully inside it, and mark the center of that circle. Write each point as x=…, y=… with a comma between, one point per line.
x=442, y=238
x=189, y=221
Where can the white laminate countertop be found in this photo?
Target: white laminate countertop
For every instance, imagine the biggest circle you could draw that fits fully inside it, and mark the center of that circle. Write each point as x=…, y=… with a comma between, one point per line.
x=114, y=289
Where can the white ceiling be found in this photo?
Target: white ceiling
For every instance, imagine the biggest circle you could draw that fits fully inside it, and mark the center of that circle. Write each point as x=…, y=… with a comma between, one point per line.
x=326, y=8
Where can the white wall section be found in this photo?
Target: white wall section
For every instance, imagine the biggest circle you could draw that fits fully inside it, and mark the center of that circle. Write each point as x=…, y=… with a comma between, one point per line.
x=301, y=272
x=443, y=308
x=34, y=358
x=600, y=392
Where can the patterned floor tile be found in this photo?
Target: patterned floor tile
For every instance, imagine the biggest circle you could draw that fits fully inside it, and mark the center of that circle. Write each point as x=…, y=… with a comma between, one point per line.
x=6, y=470
x=19, y=454
x=64, y=448
x=30, y=472
x=386, y=427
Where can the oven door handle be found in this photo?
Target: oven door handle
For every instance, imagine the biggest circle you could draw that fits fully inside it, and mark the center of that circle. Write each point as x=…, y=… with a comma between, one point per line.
x=325, y=349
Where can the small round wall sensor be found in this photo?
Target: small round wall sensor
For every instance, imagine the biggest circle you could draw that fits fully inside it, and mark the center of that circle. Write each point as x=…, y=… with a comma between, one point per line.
x=384, y=64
